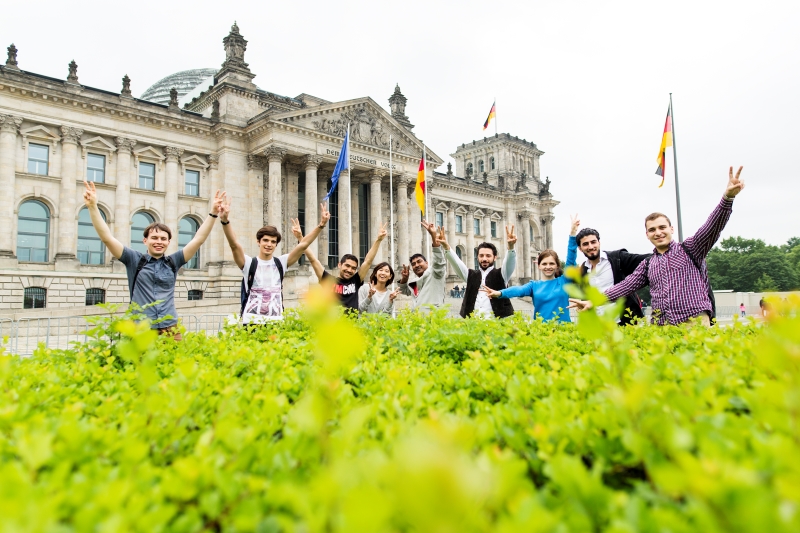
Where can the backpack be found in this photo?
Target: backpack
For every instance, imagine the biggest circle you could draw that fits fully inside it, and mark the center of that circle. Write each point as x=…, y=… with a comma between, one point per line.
x=696, y=263
x=251, y=276
x=142, y=263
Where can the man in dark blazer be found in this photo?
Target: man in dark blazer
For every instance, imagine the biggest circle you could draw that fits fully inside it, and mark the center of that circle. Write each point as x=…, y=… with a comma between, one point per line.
x=609, y=268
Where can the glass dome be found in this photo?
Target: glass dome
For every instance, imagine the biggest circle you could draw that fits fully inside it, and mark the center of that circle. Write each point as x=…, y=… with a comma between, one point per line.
x=184, y=81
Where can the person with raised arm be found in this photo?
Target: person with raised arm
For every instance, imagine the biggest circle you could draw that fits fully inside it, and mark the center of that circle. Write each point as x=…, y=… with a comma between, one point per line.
x=151, y=276
x=351, y=277
x=429, y=288
x=676, y=272
x=262, y=275
x=476, y=300
x=377, y=297
x=550, y=300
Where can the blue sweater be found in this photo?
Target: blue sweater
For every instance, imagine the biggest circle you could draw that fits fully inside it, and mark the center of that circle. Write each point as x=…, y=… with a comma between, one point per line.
x=550, y=301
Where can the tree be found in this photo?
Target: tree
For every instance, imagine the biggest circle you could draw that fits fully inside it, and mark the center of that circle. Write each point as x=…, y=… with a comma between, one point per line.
x=740, y=265
x=765, y=284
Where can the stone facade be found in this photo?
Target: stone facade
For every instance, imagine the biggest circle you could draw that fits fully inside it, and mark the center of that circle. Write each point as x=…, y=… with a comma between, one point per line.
x=274, y=156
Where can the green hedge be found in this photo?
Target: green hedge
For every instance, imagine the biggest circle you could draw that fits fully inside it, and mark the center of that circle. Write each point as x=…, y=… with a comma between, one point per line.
x=420, y=423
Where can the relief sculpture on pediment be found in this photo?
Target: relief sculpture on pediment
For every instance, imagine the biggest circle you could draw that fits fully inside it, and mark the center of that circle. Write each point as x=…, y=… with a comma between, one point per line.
x=365, y=128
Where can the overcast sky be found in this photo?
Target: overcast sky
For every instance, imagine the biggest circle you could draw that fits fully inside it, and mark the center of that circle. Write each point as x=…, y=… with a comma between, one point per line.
x=588, y=82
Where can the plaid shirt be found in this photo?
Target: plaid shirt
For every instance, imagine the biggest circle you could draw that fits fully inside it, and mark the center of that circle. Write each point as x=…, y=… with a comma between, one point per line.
x=679, y=290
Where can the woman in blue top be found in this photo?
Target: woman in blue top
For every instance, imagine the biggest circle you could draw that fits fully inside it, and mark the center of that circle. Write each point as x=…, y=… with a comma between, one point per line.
x=550, y=301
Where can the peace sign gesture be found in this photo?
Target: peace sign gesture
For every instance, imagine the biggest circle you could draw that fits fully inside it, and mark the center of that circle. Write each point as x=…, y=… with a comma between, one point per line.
x=382, y=234
x=735, y=185
x=511, y=238
x=90, y=194
x=325, y=215
x=297, y=231
x=219, y=200
x=576, y=223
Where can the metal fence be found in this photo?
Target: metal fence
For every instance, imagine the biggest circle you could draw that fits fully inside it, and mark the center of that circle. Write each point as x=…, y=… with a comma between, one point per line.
x=23, y=336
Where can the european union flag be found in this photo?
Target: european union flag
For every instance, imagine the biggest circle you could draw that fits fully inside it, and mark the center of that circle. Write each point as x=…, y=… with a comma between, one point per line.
x=342, y=164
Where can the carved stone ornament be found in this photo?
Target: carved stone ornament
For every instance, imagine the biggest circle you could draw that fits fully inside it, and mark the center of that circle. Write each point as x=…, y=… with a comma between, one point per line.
x=173, y=98
x=235, y=46
x=397, y=103
x=275, y=154
x=11, y=62
x=10, y=123
x=73, y=72
x=125, y=145
x=256, y=162
x=449, y=170
x=215, y=111
x=173, y=153
x=376, y=175
x=70, y=135
x=312, y=161
x=365, y=128
x=126, y=86
x=403, y=180
x=213, y=160
x=485, y=177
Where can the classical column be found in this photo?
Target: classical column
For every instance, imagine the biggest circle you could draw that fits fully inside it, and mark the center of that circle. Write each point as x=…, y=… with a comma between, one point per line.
x=172, y=182
x=470, y=222
x=122, y=199
x=9, y=126
x=403, y=239
x=375, y=217
x=67, y=224
x=322, y=189
x=312, y=163
x=256, y=164
x=355, y=189
x=275, y=157
x=451, y=230
x=345, y=215
x=216, y=241
x=524, y=233
x=547, y=221
x=487, y=225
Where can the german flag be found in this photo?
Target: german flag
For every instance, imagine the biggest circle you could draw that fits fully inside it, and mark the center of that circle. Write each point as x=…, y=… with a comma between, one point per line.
x=419, y=189
x=492, y=114
x=666, y=141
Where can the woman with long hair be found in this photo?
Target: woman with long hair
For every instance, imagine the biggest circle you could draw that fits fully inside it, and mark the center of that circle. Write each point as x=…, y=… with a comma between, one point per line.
x=550, y=300
x=376, y=297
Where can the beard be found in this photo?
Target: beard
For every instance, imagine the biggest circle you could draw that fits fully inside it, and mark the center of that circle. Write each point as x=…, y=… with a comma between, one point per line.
x=593, y=257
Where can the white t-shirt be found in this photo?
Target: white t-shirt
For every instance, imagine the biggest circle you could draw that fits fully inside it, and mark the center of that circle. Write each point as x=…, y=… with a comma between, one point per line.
x=265, y=301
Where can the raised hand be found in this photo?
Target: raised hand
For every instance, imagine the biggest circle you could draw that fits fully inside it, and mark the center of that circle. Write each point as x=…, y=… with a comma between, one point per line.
x=511, y=238
x=89, y=194
x=325, y=215
x=404, y=273
x=296, y=230
x=431, y=228
x=489, y=292
x=576, y=223
x=393, y=294
x=372, y=290
x=219, y=199
x=441, y=238
x=735, y=185
x=383, y=233
x=225, y=211
x=580, y=305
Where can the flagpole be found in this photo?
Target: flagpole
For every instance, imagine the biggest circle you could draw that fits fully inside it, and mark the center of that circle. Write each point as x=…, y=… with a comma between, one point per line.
x=391, y=215
x=675, y=161
x=494, y=105
x=425, y=177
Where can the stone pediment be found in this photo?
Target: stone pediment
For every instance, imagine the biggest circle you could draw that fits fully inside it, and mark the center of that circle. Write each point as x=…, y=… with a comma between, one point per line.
x=194, y=160
x=369, y=124
x=40, y=132
x=97, y=143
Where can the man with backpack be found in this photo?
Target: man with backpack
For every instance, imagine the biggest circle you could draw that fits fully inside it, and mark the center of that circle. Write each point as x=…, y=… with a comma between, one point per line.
x=607, y=268
x=262, y=275
x=151, y=276
x=677, y=272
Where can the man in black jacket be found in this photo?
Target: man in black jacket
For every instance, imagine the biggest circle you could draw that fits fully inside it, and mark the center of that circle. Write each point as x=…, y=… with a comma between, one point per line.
x=609, y=268
x=489, y=275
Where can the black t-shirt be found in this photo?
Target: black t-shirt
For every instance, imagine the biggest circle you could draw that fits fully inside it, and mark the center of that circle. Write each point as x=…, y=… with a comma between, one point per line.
x=347, y=289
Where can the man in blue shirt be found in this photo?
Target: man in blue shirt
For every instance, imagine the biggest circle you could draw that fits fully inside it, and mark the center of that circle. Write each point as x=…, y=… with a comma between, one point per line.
x=151, y=276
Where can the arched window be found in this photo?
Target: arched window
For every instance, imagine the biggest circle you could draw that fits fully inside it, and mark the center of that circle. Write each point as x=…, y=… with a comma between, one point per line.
x=187, y=227
x=491, y=163
x=460, y=252
x=91, y=250
x=95, y=296
x=35, y=298
x=33, y=232
x=140, y=221
x=480, y=166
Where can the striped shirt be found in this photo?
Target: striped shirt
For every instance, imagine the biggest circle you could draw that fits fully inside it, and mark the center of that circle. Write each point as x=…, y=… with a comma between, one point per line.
x=679, y=290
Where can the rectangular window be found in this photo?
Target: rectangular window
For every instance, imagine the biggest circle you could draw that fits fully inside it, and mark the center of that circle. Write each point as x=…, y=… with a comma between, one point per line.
x=364, y=243
x=333, y=228
x=494, y=229
x=35, y=298
x=459, y=224
x=439, y=219
x=476, y=222
x=195, y=295
x=301, y=208
x=96, y=168
x=95, y=296
x=147, y=176
x=192, y=183
x=38, y=159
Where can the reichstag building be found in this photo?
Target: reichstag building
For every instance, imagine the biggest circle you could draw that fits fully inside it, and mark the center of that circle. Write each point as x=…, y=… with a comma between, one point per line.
x=160, y=157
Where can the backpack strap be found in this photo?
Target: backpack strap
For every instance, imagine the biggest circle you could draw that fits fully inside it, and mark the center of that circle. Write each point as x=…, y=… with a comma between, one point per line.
x=279, y=266
x=247, y=284
x=139, y=266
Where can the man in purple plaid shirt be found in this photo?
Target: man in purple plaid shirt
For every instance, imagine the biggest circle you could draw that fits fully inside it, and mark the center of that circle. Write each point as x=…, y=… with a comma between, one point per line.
x=679, y=289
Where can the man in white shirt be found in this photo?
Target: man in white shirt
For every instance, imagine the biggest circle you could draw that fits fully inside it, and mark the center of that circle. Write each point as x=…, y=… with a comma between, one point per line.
x=262, y=276
x=475, y=300
x=606, y=269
